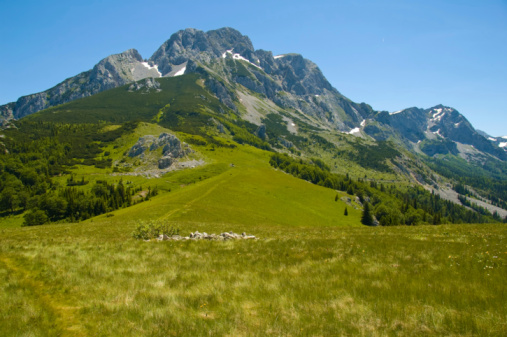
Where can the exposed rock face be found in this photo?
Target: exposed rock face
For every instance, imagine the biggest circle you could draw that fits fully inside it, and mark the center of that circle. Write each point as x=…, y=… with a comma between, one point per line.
x=261, y=132
x=288, y=144
x=6, y=114
x=289, y=80
x=172, y=148
x=111, y=72
x=142, y=145
x=145, y=86
x=165, y=162
x=437, y=130
x=193, y=44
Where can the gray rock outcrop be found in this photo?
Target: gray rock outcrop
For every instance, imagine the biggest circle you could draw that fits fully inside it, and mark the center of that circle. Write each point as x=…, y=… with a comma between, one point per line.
x=172, y=148
x=261, y=132
x=148, y=85
x=142, y=145
x=205, y=236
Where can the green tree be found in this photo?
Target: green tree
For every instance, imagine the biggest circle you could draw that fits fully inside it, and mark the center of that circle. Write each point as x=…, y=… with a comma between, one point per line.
x=35, y=217
x=388, y=215
x=367, y=218
x=346, y=213
x=9, y=199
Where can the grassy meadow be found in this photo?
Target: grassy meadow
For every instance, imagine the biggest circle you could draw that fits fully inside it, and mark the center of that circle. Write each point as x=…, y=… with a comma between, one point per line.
x=312, y=272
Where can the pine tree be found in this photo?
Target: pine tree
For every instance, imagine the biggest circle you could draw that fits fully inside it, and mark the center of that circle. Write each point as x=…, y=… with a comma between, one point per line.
x=367, y=218
x=346, y=213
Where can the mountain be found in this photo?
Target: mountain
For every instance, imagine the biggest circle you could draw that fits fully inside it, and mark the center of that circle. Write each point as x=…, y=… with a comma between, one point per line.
x=438, y=130
x=111, y=72
x=215, y=89
x=290, y=81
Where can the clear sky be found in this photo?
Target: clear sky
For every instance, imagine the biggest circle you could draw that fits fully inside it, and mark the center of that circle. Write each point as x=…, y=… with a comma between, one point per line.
x=391, y=54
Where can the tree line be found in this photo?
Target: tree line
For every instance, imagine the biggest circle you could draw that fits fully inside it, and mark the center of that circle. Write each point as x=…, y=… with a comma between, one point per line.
x=391, y=205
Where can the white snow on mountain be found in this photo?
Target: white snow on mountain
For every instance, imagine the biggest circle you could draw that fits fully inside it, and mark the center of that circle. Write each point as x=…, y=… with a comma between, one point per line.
x=237, y=56
x=504, y=137
x=396, y=112
x=492, y=139
x=279, y=56
x=502, y=144
x=437, y=116
x=363, y=123
x=147, y=65
x=354, y=131
x=224, y=55
x=181, y=71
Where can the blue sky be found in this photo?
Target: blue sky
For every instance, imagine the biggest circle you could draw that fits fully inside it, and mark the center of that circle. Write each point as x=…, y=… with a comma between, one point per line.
x=389, y=54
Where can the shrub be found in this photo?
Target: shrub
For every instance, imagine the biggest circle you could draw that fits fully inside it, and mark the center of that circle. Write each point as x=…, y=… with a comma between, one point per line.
x=35, y=217
x=152, y=229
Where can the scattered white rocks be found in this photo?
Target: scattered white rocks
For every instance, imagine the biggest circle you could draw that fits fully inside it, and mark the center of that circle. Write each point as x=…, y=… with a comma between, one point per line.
x=205, y=236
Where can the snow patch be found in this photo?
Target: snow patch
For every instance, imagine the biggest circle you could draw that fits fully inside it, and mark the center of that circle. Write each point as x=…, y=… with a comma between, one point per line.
x=181, y=71
x=492, y=139
x=224, y=55
x=457, y=124
x=504, y=137
x=502, y=144
x=363, y=123
x=354, y=130
x=437, y=116
x=437, y=111
x=279, y=56
x=396, y=112
x=237, y=56
x=317, y=95
x=147, y=65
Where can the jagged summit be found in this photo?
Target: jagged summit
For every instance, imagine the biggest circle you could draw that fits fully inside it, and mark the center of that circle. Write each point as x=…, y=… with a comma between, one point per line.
x=199, y=46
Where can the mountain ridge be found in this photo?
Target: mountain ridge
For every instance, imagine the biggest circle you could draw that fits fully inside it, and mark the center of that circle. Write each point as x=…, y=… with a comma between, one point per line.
x=289, y=80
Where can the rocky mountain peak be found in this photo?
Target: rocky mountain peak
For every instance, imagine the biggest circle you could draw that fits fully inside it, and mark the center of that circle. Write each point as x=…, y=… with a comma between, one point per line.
x=200, y=46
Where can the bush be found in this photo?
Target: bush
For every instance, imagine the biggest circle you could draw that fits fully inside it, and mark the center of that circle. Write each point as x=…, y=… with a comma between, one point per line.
x=35, y=217
x=152, y=229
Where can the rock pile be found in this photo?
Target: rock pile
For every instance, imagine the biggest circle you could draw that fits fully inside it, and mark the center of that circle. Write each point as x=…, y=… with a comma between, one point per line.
x=205, y=236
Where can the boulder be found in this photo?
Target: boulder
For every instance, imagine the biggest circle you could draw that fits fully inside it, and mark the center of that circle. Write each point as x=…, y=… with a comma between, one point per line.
x=165, y=162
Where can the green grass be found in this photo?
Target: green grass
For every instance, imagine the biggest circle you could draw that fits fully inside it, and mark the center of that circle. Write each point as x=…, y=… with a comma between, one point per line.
x=119, y=105
x=313, y=271
x=92, y=279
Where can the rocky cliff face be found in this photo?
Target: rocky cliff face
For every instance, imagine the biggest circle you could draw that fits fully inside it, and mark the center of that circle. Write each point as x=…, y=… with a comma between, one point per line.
x=111, y=72
x=442, y=127
x=199, y=46
x=289, y=80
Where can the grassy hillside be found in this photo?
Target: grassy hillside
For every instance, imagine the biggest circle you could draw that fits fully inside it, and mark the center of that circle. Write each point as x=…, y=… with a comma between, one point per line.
x=313, y=271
